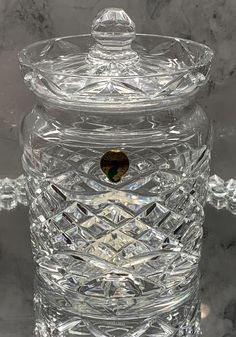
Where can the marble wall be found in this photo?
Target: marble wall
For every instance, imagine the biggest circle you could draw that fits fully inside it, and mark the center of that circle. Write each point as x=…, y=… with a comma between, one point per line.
x=209, y=21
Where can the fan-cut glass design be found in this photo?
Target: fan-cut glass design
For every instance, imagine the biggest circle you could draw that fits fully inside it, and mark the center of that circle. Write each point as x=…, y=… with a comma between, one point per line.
x=115, y=65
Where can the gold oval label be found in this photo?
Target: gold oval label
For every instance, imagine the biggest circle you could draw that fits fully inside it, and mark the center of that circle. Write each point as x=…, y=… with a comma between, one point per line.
x=114, y=164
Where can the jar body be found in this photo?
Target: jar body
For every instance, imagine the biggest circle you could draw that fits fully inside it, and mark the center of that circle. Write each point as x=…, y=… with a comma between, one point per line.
x=117, y=256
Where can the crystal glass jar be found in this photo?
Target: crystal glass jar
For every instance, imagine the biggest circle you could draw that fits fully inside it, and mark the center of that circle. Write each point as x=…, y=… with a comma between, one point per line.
x=116, y=155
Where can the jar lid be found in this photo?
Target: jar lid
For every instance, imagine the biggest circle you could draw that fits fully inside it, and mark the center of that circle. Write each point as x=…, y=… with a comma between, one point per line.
x=114, y=65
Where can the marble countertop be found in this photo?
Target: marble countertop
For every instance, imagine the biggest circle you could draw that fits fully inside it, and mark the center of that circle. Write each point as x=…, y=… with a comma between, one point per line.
x=218, y=282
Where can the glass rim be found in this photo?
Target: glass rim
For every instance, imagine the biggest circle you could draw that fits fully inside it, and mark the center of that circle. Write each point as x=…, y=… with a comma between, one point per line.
x=25, y=58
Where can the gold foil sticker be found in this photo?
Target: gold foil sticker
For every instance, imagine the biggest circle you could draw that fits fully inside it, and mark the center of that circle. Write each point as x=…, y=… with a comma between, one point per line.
x=114, y=164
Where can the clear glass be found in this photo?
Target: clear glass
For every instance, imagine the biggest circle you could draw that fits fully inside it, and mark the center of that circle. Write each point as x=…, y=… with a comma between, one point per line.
x=116, y=182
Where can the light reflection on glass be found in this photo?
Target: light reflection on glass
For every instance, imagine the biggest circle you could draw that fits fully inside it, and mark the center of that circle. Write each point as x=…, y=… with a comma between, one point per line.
x=205, y=310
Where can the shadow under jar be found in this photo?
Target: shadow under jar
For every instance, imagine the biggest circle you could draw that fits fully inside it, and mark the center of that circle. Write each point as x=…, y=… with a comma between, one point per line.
x=116, y=155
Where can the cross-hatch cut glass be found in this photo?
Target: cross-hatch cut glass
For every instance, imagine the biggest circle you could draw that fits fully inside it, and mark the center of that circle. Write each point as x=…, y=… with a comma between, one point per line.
x=116, y=158
x=119, y=251
x=220, y=194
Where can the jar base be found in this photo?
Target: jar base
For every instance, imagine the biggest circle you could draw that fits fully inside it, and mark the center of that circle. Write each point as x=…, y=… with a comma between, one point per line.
x=52, y=321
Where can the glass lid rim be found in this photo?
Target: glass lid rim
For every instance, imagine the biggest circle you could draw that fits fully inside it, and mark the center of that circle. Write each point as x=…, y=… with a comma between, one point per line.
x=25, y=59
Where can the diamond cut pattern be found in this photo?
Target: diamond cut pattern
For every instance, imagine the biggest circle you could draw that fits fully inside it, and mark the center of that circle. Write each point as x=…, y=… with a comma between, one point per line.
x=115, y=231
x=140, y=236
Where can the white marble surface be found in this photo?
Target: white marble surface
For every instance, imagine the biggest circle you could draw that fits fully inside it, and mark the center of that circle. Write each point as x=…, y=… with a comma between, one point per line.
x=210, y=21
x=218, y=283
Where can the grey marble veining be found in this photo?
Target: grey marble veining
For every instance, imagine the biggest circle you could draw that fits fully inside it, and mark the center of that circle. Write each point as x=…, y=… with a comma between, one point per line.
x=218, y=283
x=209, y=21
x=16, y=288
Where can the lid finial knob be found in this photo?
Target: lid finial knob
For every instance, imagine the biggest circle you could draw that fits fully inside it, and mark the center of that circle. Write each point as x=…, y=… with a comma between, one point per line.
x=113, y=31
